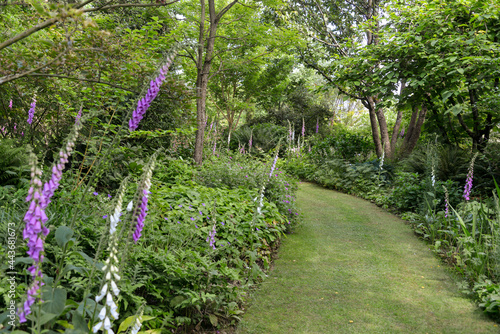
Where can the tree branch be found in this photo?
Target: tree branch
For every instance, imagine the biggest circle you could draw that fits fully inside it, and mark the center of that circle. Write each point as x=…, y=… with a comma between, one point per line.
x=82, y=79
x=224, y=11
x=9, y=78
x=120, y=5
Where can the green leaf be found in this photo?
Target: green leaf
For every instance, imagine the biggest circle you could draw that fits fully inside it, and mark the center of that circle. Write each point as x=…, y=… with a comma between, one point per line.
x=63, y=234
x=213, y=319
x=460, y=70
x=79, y=323
x=46, y=318
x=55, y=299
x=446, y=95
x=126, y=323
x=177, y=300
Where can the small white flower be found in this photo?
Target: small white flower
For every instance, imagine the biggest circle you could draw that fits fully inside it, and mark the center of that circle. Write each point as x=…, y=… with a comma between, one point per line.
x=102, y=293
x=108, y=276
x=107, y=323
x=97, y=327
x=109, y=300
x=110, y=331
x=136, y=327
x=129, y=206
x=115, y=289
x=117, y=277
x=102, y=314
x=114, y=314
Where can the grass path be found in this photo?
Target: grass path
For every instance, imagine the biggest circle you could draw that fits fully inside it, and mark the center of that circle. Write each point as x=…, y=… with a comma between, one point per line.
x=353, y=268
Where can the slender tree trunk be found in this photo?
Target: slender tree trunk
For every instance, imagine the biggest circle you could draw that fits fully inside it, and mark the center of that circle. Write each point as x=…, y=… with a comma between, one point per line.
x=370, y=105
x=203, y=64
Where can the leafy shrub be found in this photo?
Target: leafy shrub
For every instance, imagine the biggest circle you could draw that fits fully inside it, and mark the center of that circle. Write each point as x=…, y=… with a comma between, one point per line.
x=265, y=137
x=410, y=191
x=241, y=170
x=300, y=167
x=344, y=145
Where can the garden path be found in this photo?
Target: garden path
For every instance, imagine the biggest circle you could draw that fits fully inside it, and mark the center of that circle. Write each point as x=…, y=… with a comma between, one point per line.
x=353, y=268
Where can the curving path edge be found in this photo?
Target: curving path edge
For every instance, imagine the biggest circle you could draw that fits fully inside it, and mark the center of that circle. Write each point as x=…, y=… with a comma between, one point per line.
x=351, y=267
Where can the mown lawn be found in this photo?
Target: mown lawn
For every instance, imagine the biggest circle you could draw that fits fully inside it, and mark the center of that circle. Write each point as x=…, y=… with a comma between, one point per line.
x=353, y=268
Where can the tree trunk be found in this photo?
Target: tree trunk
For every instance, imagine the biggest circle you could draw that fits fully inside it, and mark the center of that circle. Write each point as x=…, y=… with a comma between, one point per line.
x=203, y=63
x=370, y=105
x=414, y=129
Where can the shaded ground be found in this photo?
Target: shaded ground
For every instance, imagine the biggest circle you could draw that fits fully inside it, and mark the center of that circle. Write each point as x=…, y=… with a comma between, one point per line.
x=353, y=268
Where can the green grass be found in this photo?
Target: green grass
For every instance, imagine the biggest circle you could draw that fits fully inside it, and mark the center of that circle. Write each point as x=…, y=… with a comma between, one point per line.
x=353, y=268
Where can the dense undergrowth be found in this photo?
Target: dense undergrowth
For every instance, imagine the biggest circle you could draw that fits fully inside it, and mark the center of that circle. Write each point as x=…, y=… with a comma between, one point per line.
x=208, y=239
x=427, y=190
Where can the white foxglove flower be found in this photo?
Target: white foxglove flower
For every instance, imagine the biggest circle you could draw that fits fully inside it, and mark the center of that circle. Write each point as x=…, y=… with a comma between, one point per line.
x=97, y=327
x=102, y=293
x=102, y=314
x=137, y=326
x=114, y=314
x=107, y=323
x=115, y=289
x=130, y=206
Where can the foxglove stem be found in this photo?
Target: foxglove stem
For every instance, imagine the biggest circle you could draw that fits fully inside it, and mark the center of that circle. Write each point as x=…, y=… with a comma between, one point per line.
x=31, y=112
x=109, y=310
x=78, y=116
x=35, y=231
x=317, y=125
x=145, y=102
x=303, y=128
x=250, y=142
x=446, y=202
x=140, y=211
x=470, y=177
x=211, y=237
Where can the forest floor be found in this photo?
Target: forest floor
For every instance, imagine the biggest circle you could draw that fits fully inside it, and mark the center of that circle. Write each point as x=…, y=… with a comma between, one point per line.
x=351, y=267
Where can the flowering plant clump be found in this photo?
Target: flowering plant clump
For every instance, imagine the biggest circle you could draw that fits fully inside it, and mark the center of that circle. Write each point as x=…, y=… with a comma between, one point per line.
x=35, y=231
x=470, y=176
x=145, y=102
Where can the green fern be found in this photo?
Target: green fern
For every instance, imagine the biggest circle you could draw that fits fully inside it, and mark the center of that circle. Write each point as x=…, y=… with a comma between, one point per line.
x=14, y=167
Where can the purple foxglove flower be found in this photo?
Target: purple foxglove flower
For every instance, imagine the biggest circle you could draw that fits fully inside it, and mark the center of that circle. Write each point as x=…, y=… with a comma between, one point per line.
x=145, y=102
x=274, y=165
x=31, y=112
x=141, y=217
x=303, y=128
x=317, y=125
x=10, y=104
x=78, y=116
x=470, y=176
